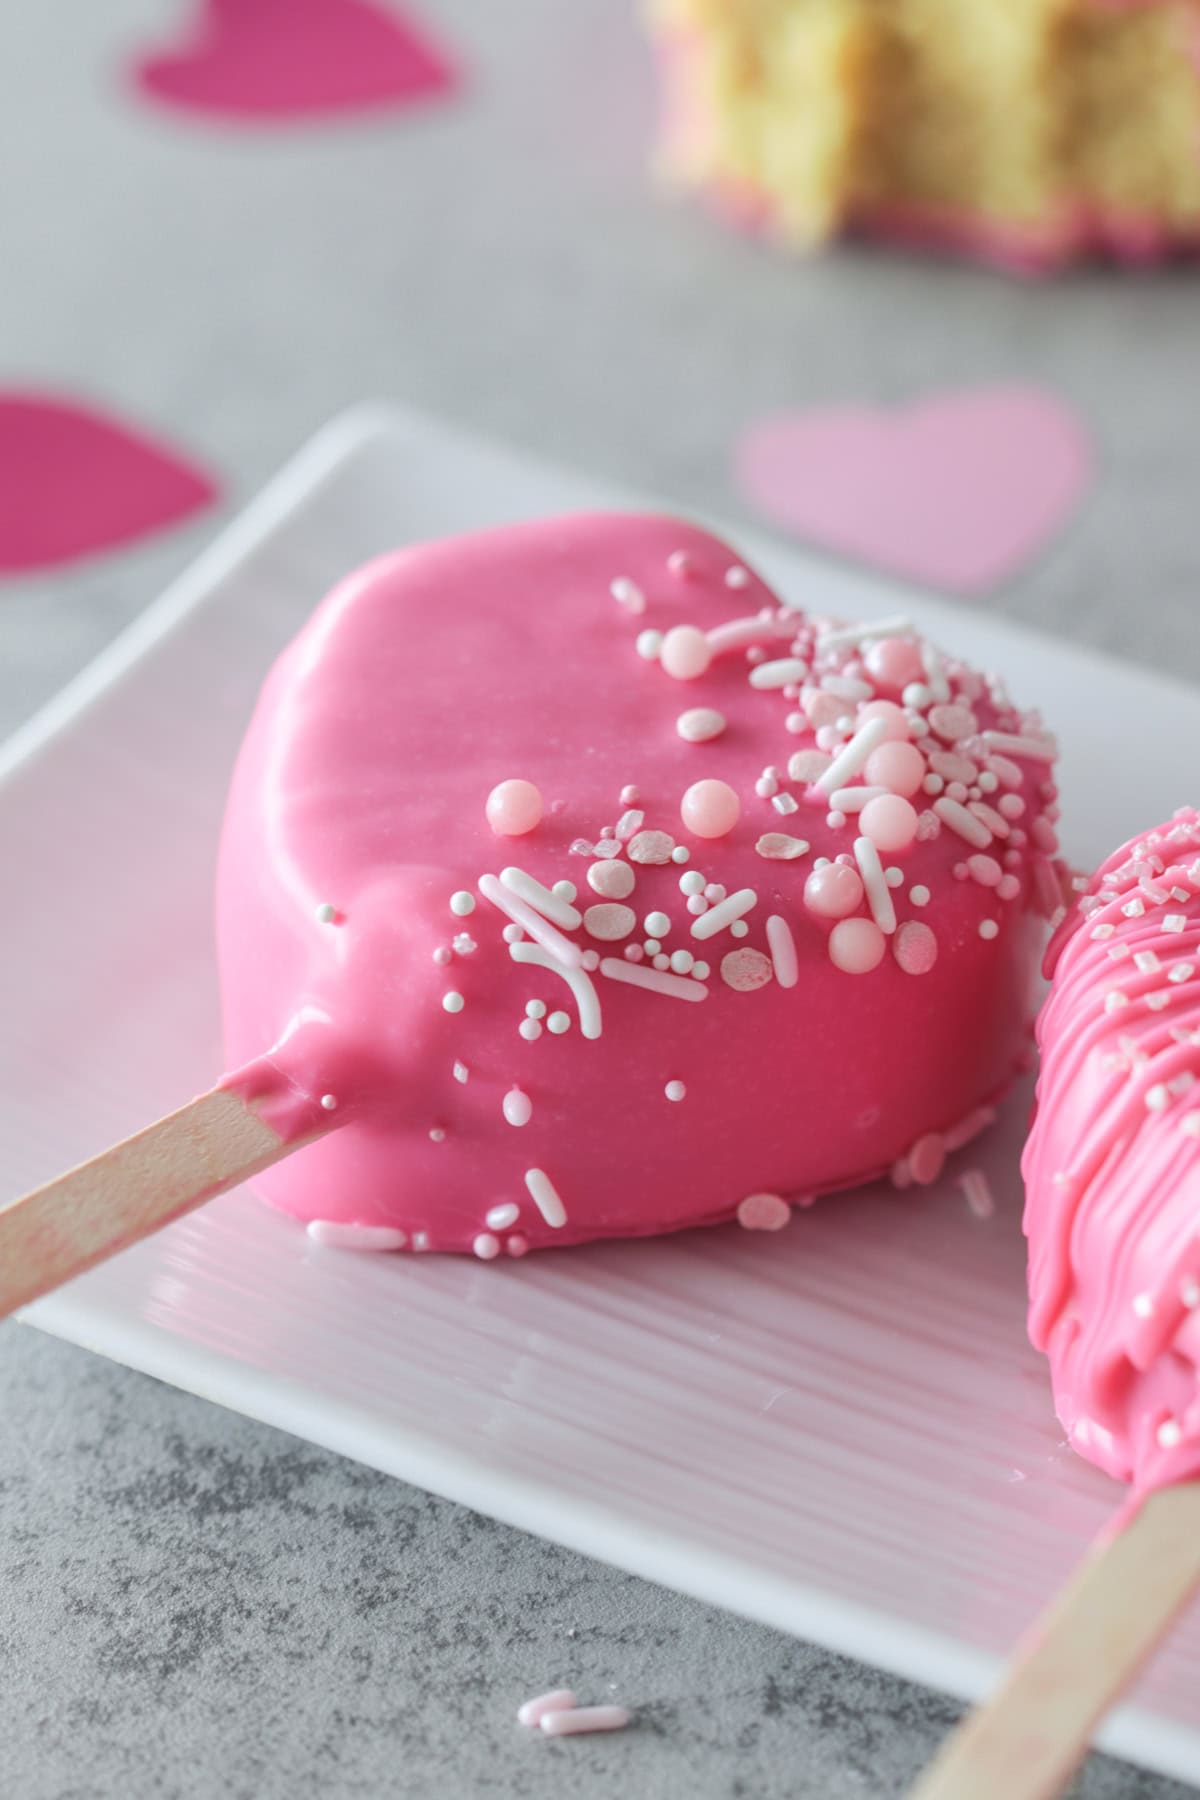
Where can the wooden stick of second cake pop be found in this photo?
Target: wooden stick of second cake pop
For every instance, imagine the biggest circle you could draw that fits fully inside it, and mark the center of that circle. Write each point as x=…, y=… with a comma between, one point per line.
x=1025, y=1742
x=132, y=1189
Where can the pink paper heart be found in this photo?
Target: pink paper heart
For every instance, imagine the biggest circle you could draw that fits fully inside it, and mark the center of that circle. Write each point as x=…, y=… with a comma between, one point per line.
x=275, y=60
x=960, y=491
x=73, y=482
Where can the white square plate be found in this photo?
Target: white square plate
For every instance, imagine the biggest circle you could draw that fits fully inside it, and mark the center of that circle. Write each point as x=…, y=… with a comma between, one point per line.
x=841, y=1430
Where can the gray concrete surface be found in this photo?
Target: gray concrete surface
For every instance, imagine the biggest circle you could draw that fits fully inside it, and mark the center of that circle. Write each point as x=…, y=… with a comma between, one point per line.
x=194, y=1606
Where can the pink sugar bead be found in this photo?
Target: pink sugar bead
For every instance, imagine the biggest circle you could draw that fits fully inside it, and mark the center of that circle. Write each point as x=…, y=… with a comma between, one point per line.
x=889, y=821
x=927, y=1159
x=763, y=1212
x=898, y=767
x=985, y=870
x=513, y=808
x=915, y=947
x=710, y=808
x=685, y=652
x=897, y=724
x=894, y=662
x=834, y=891
x=856, y=946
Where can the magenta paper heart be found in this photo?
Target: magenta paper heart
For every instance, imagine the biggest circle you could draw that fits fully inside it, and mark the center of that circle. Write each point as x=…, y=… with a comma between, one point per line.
x=960, y=491
x=73, y=482
x=272, y=60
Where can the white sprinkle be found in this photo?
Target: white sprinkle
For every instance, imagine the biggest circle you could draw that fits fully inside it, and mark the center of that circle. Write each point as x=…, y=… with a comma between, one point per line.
x=1189, y=1294
x=543, y=899
x=1143, y=1306
x=700, y=971
x=656, y=980
x=879, y=897
x=846, y=635
x=329, y=1102
x=853, y=799
x=517, y=1107
x=656, y=924
x=849, y=761
x=1114, y=1000
x=777, y=847
x=648, y=644
x=919, y=895
x=681, y=961
x=968, y=827
x=326, y=913
x=561, y=948
x=535, y=1009
x=331, y=1234
x=462, y=903
x=558, y=1022
x=681, y=854
x=988, y=928
x=1146, y=962
x=675, y=1090
x=739, y=929
x=1190, y=1124
x=461, y=1072
x=486, y=1247
x=978, y=1193
x=1036, y=749
x=464, y=944
x=1181, y=972
x=700, y=724
x=530, y=1030
x=737, y=577
x=916, y=695
x=546, y=1197
x=1101, y=931
x=629, y=823
x=1175, y=922
x=585, y=1718
x=1135, y=908
x=499, y=1218
x=1158, y=1098
x=453, y=1002
x=533, y=1711
x=512, y=934
x=939, y=687
x=1170, y=1434
x=782, y=946
x=628, y=593
x=692, y=882
x=724, y=913
x=577, y=980
x=784, y=803
x=894, y=877
x=651, y=946
x=442, y=956
x=779, y=674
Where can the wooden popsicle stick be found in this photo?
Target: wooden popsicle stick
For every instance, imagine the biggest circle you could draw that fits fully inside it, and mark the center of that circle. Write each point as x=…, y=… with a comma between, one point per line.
x=1024, y=1743
x=146, y=1181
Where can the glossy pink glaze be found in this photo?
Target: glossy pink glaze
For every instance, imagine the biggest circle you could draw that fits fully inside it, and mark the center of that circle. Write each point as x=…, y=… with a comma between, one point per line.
x=1112, y=1168
x=358, y=810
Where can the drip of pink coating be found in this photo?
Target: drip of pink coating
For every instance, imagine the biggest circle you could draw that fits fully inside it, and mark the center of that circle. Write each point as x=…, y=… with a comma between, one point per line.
x=710, y=808
x=389, y=820
x=1112, y=1164
x=514, y=808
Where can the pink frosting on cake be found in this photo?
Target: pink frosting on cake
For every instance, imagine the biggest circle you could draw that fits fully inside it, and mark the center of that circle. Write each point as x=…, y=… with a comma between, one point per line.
x=522, y=894
x=1112, y=1166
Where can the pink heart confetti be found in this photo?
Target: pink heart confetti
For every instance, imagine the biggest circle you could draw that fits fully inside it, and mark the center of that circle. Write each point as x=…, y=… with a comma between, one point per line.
x=73, y=482
x=959, y=490
x=272, y=61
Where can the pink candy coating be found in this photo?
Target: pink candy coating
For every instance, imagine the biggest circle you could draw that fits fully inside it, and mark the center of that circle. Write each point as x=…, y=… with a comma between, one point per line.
x=889, y=821
x=856, y=946
x=894, y=662
x=685, y=652
x=834, y=891
x=897, y=725
x=897, y=766
x=710, y=808
x=514, y=808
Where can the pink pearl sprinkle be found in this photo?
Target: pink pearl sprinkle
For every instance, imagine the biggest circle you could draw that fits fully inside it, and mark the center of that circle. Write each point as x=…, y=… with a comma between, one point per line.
x=898, y=767
x=894, y=662
x=629, y=796
x=985, y=870
x=763, y=1212
x=890, y=822
x=710, y=808
x=1008, y=887
x=915, y=947
x=517, y=1245
x=685, y=652
x=894, y=716
x=856, y=946
x=486, y=1246
x=834, y=891
x=513, y=808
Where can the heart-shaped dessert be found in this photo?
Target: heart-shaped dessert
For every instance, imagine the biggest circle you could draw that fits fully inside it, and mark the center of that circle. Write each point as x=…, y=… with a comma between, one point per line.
x=586, y=891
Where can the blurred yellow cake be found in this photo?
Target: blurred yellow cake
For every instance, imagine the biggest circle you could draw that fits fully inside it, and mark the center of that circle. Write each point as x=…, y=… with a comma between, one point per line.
x=1027, y=131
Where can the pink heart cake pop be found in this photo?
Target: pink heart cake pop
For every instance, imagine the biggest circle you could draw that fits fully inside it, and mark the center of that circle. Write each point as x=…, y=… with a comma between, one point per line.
x=584, y=890
x=1112, y=1165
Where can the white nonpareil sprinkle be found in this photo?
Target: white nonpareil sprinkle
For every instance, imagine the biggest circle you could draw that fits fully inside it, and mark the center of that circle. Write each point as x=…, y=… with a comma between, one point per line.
x=1170, y=1434
x=737, y=577
x=1190, y=1124
x=326, y=913
x=1189, y=1294
x=1143, y=1306
x=558, y=1022
x=462, y=903
x=1158, y=1097
x=627, y=593
x=656, y=924
x=919, y=895
x=675, y=1090
x=988, y=928
x=648, y=644
x=329, y=1102
x=453, y=1002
